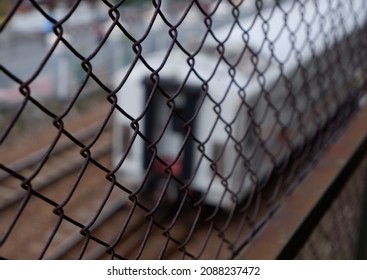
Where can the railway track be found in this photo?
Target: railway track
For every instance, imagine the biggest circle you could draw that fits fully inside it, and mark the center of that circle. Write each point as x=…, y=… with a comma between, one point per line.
x=62, y=162
x=74, y=212
x=121, y=230
x=27, y=212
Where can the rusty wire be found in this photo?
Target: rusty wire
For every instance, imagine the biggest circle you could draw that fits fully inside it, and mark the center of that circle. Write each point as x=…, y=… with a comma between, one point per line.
x=266, y=87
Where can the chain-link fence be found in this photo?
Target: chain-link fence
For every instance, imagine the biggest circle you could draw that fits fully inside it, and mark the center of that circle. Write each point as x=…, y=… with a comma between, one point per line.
x=209, y=113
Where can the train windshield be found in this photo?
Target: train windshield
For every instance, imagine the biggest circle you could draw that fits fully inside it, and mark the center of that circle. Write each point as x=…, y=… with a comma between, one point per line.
x=167, y=126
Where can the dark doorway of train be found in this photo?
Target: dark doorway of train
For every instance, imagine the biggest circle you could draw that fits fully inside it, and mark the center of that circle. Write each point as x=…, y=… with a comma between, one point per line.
x=169, y=126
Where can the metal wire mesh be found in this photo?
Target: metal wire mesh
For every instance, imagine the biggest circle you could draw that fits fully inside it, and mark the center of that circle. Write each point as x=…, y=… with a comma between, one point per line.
x=217, y=110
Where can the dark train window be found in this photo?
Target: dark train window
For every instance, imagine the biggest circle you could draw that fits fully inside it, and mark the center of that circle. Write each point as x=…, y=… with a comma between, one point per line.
x=177, y=122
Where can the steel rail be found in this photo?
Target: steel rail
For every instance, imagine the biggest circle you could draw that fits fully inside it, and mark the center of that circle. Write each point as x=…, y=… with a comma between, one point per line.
x=59, y=174
x=34, y=157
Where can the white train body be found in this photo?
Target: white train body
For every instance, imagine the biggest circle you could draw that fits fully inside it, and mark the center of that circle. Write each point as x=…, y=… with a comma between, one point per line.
x=228, y=126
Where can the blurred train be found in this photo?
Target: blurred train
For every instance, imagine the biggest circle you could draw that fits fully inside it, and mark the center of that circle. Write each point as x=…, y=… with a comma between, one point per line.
x=219, y=122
